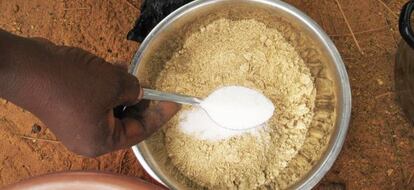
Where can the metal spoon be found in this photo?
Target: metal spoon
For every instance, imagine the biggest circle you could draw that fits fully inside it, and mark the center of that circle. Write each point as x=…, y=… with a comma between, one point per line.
x=216, y=114
x=150, y=94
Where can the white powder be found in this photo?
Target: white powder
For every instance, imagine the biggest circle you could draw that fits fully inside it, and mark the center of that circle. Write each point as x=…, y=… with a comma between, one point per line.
x=238, y=108
x=235, y=110
x=197, y=123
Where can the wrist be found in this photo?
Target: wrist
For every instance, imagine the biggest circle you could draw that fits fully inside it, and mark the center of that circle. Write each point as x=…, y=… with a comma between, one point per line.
x=6, y=40
x=21, y=59
x=7, y=71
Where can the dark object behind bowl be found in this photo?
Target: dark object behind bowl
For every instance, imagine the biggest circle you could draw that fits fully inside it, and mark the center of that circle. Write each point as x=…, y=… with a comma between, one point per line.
x=152, y=12
x=404, y=67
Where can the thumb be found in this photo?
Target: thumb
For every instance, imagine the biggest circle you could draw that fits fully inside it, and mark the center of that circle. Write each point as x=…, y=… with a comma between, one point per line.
x=141, y=124
x=131, y=91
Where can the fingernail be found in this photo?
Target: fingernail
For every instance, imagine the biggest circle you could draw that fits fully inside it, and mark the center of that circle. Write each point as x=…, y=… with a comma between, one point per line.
x=141, y=94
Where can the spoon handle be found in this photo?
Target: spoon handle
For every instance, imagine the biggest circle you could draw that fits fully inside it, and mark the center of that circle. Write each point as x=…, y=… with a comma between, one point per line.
x=150, y=94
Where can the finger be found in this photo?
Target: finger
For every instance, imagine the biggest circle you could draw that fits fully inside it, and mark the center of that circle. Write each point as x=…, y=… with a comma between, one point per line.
x=121, y=65
x=158, y=114
x=132, y=91
x=132, y=130
x=45, y=43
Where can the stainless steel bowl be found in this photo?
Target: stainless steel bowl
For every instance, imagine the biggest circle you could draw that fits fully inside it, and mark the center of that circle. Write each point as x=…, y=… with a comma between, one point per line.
x=168, y=34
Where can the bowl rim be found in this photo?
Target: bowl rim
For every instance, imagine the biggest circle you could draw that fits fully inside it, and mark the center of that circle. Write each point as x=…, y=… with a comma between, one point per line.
x=344, y=112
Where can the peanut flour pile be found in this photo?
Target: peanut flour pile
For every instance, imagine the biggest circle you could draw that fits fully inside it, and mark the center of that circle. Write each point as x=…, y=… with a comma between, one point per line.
x=243, y=53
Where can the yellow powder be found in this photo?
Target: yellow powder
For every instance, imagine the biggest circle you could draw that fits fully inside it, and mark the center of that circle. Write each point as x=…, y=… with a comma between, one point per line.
x=245, y=53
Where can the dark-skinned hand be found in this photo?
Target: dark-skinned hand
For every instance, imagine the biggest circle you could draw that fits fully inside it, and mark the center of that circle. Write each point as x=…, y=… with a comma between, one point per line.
x=75, y=92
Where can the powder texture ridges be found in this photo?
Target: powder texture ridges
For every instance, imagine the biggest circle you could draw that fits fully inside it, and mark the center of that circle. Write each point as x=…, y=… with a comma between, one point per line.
x=245, y=53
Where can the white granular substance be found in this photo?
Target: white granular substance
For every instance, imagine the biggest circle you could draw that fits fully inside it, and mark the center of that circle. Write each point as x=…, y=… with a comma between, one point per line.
x=227, y=112
x=238, y=108
x=196, y=122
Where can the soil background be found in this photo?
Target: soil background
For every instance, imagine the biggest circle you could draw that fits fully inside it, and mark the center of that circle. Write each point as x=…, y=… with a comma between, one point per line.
x=379, y=149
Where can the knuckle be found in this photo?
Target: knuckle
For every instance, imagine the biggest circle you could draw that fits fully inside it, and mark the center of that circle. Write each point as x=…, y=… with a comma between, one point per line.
x=128, y=88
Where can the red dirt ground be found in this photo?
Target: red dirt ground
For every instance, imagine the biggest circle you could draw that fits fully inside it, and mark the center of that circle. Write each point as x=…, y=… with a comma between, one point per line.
x=379, y=149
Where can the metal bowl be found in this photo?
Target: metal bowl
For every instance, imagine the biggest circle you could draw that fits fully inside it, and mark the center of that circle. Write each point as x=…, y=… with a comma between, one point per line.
x=169, y=34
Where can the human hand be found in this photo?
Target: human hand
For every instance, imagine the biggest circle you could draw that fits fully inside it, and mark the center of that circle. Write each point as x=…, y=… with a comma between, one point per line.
x=74, y=93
